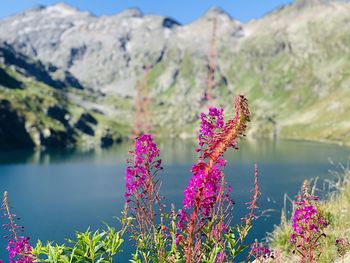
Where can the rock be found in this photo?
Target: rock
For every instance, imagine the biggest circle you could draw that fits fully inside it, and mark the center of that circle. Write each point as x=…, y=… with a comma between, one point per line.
x=87, y=117
x=36, y=69
x=106, y=141
x=60, y=114
x=13, y=134
x=170, y=23
x=9, y=82
x=84, y=128
x=58, y=139
x=109, y=139
x=84, y=124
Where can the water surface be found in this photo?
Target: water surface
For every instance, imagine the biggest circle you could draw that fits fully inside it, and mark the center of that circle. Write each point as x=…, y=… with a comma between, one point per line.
x=58, y=192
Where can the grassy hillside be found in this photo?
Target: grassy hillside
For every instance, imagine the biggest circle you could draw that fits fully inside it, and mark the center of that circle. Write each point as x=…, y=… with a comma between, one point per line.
x=58, y=117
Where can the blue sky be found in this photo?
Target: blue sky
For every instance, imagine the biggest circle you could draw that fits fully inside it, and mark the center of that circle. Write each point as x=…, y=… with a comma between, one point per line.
x=184, y=11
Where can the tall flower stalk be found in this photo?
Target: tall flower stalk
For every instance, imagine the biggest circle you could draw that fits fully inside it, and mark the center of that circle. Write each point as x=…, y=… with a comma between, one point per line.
x=18, y=247
x=142, y=192
x=308, y=226
x=206, y=188
x=200, y=231
x=252, y=206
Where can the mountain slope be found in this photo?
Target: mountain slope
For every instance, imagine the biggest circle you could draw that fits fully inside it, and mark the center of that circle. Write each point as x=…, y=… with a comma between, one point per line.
x=34, y=114
x=301, y=69
x=293, y=64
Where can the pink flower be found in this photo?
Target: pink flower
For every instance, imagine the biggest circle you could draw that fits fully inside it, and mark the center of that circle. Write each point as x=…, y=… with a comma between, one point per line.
x=308, y=225
x=144, y=159
x=221, y=257
x=214, y=138
x=20, y=251
x=210, y=185
x=18, y=246
x=210, y=123
x=306, y=220
x=259, y=251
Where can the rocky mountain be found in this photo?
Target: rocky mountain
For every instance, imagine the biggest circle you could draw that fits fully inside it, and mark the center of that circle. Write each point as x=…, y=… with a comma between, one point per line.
x=36, y=69
x=293, y=64
x=108, y=53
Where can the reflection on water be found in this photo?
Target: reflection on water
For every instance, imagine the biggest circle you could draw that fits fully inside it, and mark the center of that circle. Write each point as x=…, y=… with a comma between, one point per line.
x=58, y=192
x=177, y=152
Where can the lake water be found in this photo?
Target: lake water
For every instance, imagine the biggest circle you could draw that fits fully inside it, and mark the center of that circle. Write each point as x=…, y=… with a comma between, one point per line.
x=56, y=193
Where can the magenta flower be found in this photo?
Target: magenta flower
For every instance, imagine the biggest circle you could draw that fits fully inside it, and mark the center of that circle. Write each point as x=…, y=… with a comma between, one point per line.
x=221, y=257
x=142, y=189
x=308, y=225
x=205, y=190
x=306, y=218
x=307, y=221
x=18, y=247
x=259, y=251
x=204, y=179
x=209, y=183
x=210, y=123
x=139, y=168
x=20, y=251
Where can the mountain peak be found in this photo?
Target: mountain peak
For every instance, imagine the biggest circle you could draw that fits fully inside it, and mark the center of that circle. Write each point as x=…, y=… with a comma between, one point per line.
x=63, y=5
x=62, y=9
x=131, y=12
x=216, y=11
x=306, y=3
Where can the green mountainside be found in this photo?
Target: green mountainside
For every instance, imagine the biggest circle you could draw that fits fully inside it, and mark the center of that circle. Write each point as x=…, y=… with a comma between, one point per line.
x=34, y=114
x=293, y=65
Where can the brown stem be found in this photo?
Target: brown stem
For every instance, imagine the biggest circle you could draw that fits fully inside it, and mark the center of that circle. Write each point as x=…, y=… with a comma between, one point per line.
x=9, y=215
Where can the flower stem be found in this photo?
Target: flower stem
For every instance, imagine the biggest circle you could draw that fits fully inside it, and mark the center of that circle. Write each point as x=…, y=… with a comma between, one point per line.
x=10, y=216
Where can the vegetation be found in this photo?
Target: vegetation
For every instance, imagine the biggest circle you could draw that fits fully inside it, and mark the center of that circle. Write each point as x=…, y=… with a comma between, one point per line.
x=89, y=247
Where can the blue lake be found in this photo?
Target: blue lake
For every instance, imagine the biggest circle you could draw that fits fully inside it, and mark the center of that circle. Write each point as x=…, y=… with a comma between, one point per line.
x=58, y=192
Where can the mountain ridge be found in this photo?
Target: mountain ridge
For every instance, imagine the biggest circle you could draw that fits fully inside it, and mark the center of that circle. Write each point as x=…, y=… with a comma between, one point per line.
x=282, y=62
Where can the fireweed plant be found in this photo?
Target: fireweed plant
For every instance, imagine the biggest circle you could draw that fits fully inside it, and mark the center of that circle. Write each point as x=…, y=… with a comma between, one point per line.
x=142, y=198
x=308, y=226
x=18, y=247
x=259, y=252
x=200, y=231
